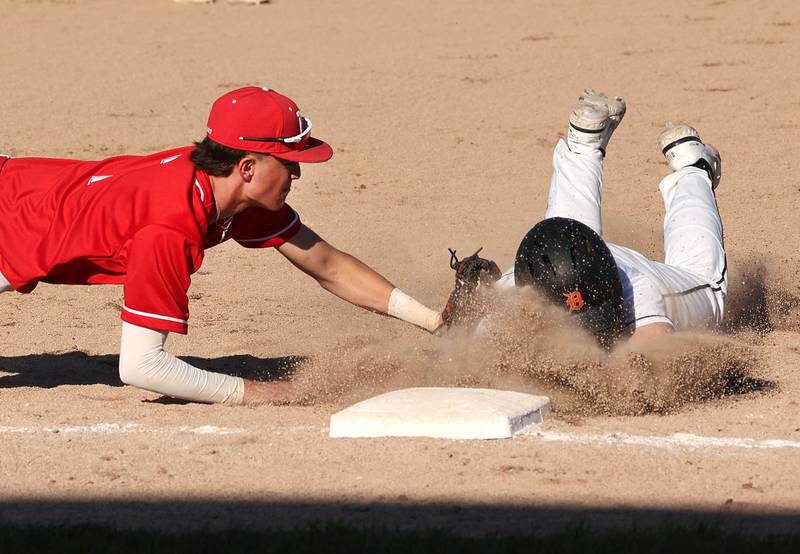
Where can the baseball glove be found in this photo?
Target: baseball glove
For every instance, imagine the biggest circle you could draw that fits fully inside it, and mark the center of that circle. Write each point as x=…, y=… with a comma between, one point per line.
x=464, y=307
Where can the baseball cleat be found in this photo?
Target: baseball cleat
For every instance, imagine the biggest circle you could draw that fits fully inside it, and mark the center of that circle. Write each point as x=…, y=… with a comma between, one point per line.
x=593, y=120
x=616, y=108
x=682, y=147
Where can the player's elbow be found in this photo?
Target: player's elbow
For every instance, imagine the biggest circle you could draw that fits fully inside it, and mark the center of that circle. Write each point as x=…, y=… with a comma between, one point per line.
x=327, y=283
x=140, y=367
x=130, y=374
x=327, y=270
x=133, y=371
x=141, y=350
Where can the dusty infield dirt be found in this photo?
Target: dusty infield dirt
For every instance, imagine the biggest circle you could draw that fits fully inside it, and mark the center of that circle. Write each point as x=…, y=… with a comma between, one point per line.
x=443, y=117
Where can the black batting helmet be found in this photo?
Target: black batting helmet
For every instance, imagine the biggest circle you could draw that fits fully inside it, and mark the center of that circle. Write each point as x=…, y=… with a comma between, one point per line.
x=571, y=265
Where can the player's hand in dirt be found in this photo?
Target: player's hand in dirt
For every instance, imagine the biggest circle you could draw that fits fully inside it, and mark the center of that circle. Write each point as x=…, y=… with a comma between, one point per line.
x=268, y=392
x=443, y=327
x=464, y=307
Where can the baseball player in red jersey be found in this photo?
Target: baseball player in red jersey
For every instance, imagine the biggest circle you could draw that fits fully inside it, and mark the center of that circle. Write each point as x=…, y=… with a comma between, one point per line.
x=145, y=222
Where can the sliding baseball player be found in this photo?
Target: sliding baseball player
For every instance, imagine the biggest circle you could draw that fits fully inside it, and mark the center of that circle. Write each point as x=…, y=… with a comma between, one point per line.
x=612, y=290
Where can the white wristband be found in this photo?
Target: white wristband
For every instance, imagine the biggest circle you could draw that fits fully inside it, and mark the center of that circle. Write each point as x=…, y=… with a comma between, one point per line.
x=402, y=306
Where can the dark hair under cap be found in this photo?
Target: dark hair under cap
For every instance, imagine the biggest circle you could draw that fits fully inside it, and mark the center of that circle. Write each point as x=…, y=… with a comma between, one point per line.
x=214, y=158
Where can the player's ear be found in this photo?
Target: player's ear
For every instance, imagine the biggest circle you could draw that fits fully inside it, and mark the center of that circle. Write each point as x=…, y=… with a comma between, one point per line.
x=246, y=168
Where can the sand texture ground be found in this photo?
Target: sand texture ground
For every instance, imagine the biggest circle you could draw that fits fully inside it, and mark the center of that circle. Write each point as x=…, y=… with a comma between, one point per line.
x=443, y=116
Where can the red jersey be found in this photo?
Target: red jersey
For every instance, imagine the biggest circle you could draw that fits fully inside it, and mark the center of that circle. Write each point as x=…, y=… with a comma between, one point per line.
x=140, y=221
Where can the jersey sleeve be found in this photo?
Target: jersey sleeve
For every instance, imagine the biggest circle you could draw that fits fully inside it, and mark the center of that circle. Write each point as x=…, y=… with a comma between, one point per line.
x=159, y=268
x=259, y=228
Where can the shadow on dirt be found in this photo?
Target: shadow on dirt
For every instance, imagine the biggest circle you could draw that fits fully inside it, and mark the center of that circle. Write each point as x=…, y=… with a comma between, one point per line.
x=77, y=368
x=458, y=518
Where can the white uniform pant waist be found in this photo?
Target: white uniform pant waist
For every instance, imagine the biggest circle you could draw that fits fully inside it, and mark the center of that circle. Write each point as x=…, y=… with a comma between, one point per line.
x=4, y=284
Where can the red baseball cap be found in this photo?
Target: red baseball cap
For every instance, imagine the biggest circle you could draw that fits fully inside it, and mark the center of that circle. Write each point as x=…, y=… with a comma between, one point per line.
x=261, y=120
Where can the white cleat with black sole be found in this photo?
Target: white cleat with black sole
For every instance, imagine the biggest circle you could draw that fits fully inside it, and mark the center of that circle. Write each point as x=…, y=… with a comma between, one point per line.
x=593, y=120
x=682, y=147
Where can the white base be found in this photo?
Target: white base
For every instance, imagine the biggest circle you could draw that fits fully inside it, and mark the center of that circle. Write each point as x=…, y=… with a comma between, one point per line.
x=448, y=413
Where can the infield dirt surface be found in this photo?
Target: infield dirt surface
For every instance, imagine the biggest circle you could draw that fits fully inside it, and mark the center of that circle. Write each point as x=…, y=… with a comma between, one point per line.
x=443, y=116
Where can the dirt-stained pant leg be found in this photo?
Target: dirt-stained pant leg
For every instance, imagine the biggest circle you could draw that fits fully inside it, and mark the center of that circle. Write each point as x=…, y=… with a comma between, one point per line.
x=692, y=225
x=693, y=242
x=576, y=187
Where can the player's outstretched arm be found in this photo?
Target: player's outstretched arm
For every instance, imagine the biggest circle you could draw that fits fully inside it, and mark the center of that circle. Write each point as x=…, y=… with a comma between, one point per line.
x=144, y=363
x=352, y=280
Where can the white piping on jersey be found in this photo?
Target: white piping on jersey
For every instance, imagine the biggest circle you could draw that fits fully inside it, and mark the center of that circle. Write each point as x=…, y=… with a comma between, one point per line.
x=202, y=194
x=154, y=316
x=97, y=178
x=170, y=159
x=292, y=222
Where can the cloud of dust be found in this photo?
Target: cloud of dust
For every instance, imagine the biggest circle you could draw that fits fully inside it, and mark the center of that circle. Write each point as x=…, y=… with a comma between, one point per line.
x=761, y=298
x=527, y=345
